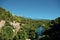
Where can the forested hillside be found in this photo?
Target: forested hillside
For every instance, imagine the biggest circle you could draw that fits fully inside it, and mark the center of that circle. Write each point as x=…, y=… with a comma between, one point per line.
x=13, y=27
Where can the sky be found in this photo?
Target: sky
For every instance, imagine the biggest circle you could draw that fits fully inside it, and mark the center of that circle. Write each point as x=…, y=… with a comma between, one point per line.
x=35, y=9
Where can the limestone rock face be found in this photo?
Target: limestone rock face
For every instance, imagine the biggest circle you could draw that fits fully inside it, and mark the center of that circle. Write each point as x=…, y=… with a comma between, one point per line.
x=15, y=25
x=2, y=23
x=28, y=39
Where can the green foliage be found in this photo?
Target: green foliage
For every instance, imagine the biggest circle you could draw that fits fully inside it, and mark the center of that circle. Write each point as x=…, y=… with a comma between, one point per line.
x=3, y=36
x=9, y=31
x=21, y=35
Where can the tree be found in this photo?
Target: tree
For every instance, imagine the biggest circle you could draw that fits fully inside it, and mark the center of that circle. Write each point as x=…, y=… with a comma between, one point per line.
x=54, y=31
x=9, y=31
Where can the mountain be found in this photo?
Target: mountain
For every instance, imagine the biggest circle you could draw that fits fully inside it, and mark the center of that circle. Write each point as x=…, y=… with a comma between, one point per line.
x=20, y=25
x=7, y=16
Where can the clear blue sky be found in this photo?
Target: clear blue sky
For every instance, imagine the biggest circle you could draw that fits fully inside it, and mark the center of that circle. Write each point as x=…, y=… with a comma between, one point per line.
x=36, y=9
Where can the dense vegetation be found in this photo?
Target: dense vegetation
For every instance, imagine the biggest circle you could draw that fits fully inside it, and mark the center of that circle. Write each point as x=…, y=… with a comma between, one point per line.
x=28, y=30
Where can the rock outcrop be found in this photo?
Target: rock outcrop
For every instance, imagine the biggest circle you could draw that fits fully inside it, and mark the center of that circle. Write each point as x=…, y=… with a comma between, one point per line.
x=2, y=23
x=15, y=25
